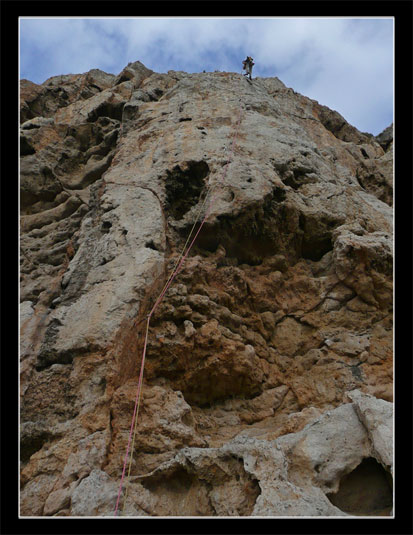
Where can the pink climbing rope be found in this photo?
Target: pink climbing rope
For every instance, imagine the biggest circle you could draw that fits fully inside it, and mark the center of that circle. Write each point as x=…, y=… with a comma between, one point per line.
x=133, y=417
x=179, y=267
x=157, y=302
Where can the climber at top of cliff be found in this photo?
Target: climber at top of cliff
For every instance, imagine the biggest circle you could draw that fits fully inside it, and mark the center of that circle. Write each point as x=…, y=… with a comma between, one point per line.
x=247, y=66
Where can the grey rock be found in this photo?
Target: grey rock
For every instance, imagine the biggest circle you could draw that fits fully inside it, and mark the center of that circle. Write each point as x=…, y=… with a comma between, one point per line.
x=377, y=417
x=95, y=495
x=294, y=473
x=385, y=138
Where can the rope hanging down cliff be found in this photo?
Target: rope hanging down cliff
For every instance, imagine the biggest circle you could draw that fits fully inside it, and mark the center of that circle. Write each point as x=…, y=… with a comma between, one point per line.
x=175, y=271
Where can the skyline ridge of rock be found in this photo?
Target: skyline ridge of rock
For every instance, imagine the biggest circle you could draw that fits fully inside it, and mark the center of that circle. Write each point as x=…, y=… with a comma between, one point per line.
x=57, y=78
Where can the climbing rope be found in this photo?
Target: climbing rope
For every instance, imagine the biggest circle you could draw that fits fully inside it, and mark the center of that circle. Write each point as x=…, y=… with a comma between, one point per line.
x=175, y=271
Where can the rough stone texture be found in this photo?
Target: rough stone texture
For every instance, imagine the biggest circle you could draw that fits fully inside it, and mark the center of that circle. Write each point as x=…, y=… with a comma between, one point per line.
x=385, y=138
x=268, y=376
x=377, y=417
x=289, y=476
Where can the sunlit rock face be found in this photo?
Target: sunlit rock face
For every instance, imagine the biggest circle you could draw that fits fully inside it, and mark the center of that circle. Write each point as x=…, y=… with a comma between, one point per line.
x=268, y=378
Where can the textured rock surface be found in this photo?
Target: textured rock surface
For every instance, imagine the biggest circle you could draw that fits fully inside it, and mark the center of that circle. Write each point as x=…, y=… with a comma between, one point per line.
x=268, y=379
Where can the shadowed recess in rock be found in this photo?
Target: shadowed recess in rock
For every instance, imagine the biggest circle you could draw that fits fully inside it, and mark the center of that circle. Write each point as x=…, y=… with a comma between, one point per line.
x=30, y=444
x=366, y=491
x=316, y=241
x=256, y=233
x=223, y=489
x=107, y=109
x=183, y=187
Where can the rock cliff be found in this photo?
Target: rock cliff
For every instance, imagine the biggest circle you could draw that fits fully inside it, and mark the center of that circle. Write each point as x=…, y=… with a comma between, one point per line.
x=268, y=378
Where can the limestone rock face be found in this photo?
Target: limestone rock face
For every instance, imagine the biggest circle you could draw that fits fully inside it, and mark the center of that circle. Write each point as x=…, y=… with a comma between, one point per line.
x=267, y=388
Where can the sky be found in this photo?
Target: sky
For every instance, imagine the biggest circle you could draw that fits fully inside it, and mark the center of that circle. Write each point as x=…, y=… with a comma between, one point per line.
x=346, y=64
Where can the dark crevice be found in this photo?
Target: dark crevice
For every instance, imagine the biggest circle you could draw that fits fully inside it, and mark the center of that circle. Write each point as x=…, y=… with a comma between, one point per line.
x=25, y=147
x=366, y=491
x=50, y=186
x=151, y=245
x=238, y=390
x=183, y=185
x=49, y=357
x=153, y=95
x=317, y=235
x=315, y=249
x=106, y=225
x=107, y=109
x=179, y=481
x=375, y=184
x=172, y=487
x=297, y=176
x=124, y=78
x=32, y=444
x=258, y=232
x=279, y=194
